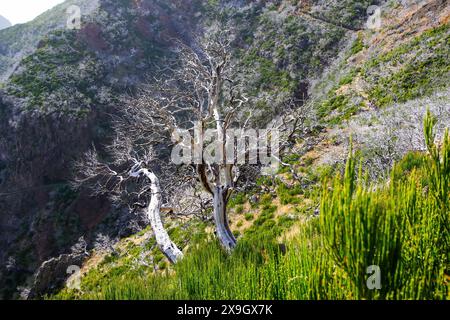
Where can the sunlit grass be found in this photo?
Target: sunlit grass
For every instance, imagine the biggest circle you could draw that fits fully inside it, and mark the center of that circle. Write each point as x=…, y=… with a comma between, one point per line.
x=400, y=226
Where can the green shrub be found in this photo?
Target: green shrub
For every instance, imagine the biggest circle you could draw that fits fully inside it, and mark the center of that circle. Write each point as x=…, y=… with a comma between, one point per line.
x=289, y=195
x=264, y=181
x=249, y=216
x=285, y=222
x=266, y=200
x=237, y=199
x=413, y=76
x=357, y=46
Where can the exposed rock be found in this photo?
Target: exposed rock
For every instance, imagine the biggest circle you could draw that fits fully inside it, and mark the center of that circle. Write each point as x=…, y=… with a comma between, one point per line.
x=53, y=273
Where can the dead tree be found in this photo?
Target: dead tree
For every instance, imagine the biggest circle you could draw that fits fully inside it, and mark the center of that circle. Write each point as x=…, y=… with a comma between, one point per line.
x=198, y=93
x=128, y=179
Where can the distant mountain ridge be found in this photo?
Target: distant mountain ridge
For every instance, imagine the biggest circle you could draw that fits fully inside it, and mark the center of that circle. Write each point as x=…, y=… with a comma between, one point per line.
x=4, y=23
x=21, y=40
x=59, y=86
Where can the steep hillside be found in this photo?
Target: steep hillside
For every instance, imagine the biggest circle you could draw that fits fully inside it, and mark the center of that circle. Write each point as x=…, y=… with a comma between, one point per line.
x=60, y=87
x=377, y=90
x=4, y=23
x=21, y=40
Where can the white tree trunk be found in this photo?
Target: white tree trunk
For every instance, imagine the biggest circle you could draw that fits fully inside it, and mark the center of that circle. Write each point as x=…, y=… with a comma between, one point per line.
x=166, y=245
x=224, y=234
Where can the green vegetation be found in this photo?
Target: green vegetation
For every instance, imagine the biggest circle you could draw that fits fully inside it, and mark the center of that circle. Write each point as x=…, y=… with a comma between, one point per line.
x=357, y=46
x=269, y=77
x=399, y=228
x=338, y=107
x=237, y=199
x=402, y=227
x=249, y=216
x=418, y=68
x=348, y=78
x=20, y=39
x=239, y=209
x=288, y=194
x=411, y=70
x=43, y=81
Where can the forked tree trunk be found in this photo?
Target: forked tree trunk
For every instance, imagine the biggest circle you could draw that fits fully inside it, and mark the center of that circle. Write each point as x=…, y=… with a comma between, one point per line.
x=224, y=233
x=166, y=245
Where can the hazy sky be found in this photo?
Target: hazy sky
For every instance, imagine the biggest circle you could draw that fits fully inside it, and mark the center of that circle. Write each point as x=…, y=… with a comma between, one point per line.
x=20, y=11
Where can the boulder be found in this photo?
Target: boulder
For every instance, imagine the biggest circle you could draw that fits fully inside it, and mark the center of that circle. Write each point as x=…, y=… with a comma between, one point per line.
x=53, y=274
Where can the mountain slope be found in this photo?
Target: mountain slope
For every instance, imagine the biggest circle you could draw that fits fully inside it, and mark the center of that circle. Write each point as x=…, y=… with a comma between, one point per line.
x=57, y=98
x=21, y=40
x=4, y=23
x=386, y=127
